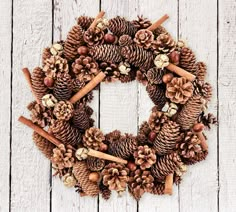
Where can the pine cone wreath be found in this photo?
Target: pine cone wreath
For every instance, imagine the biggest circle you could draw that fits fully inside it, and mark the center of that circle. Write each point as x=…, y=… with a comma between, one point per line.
x=125, y=40
x=145, y=157
x=158, y=188
x=179, y=90
x=94, y=37
x=143, y=133
x=201, y=71
x=63, y=110
x=93, y=138
x=156, y=120
x=154, y=76
x=115, y=176
x=105, y=191
x=144, y=38
x=141, y=23
x=188, y=60
x=85, y=21
x=95, y=164
x=208, y=120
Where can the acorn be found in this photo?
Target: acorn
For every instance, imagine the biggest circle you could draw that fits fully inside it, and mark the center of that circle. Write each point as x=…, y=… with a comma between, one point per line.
x=94, y=177
x=198, y=127
x=167, y=77
x=152, y=135
x=103, y=147
x=83, y=50
x=109, y=38
x=132, y=166
x=174, y=57
x=48, y=81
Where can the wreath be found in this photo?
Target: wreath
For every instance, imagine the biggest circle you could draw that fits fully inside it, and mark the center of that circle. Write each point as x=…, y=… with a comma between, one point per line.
x=96, y=50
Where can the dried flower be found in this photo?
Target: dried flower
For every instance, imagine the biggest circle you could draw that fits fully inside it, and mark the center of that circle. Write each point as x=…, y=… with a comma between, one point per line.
x=161, y=61
x=49, y=100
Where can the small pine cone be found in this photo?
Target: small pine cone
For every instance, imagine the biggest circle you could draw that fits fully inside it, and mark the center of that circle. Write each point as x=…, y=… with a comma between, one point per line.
x=208, y=120
x=37, y=80
x=67, y=134
x=62, y=157
x=164, y=44
x=81, y=119
x=165, y=165
x=119, y=26
x=115, y=176
x=105, y=191
x=145, y=157
x=85, y=68
x=81, y=173
x=113, y=136
x=85, y=21
x=111, y=70
x=77, y=84
x=179, y=90
x=156, y=120
x=201, y=71
x=139, y=182
x=143, y=133
x=154, y=75
x=46, y=55
x=94, y=37
x=106, y=53
x=73, y=41
x=123, y=146
x=63, y=110
x=141, y=23
x=144, y=38
x=199, y=157
x=157, y=95
x=127, y=78
x=138, y=56
x=93, y=138
x=95, y=164
x=204, y=89
x=160, y=30
x=158, y=188
x=125, y=40
x=141, y=76
x=190, y=112
x=62, y=89
x=45, y=146
x=55, y=65
x=188, y=60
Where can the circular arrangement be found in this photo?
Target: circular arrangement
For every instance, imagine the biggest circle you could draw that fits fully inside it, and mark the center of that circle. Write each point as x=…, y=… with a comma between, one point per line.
x=96, y=50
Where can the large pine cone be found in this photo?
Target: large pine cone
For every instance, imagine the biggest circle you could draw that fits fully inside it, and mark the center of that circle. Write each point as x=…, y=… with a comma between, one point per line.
x=156, y=120
x=145, y=157
x=106, y=53
x=138, y=56
x=37, y=80
x=201, y=71
x=95, y=164
x=63, y=87
x=94, y=37
x=119, y=26
x=157, y=95
x=141, y=23
x=85, y=21
x=81, y=173
x=73, y=41
x=143, y=133
x=45, y=146
x=190, y=112
x=115, y=176
x=188, y=60
x=154, y=75
x=122, y=146
x=167, y=138
x=125, y=40
x=67, y=134
x=144, y=38
x=139, y=182
x=63, y=110
x=179, y=90
x=93, y=138
x=165, y=165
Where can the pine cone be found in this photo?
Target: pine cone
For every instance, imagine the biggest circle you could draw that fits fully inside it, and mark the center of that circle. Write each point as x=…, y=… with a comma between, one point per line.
x=154, y=75
x=119, y=26
x=45, y=146
x=141, y=23
x=125, y=40
x=63, y=131
x=201, y=71
x=81, y=173
x=199, y=157
x=143, y=133
x=94, y=37
x=46, y=55
x=95, y=164
x=179, y=90
x=188, y=60
x=190, y=112
x=115, y=176
x=144, y=157
x=113, y=136
x=127, y=78
x=204, y=89
x=156, y=120
x=105, y=191
x=73, y=41
x=62, y=157
x=208, y=120
x=106, y=53
x=157, y=95
x=85, y=21
x=159, y=30
x=37, y=80
x=139, y=182
x=111, y=71
x=164, y=44
x=63, y=110
x=123, y=146
x=62, y=89
x=165, y=165
x=138, y=56
x=77, y=84
x=158, y=188
x=144, y=38
x=81, y=119
x=141, y=76
x=93, y=138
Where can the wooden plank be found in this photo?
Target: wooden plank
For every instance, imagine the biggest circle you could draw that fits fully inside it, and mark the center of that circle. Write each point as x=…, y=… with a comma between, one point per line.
x=30, y=170
x=227, y=101
x=118, y=106
x=154, y=10
x=65, y=14
x=198, y=25
x=5, y=102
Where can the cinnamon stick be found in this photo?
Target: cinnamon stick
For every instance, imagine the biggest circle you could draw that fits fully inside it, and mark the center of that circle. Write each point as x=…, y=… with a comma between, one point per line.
x=169, y=184
x=27, y=75
x=158, y=22
x=181, y=72
x=92, y=84
x=203, y=143
x=100, y=15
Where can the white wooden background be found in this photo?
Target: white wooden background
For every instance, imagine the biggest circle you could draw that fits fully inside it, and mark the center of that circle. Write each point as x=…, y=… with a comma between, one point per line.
x=26, y=26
